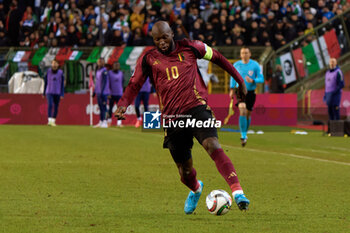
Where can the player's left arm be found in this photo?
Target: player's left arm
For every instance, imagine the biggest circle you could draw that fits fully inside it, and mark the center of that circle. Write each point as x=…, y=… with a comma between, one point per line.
x=258, y=72
x=204, y=51
x=233, y=83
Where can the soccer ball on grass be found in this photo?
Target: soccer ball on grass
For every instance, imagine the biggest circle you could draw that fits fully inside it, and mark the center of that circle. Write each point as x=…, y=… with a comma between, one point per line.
x=218, y=202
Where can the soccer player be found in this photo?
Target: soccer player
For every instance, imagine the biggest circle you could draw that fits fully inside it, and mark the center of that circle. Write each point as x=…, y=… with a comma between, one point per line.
x=172, y=69
x=334, y=82
x=116, y=84
x=54, y=91
x=102, y=91
x=251, y=73
x=144, y=96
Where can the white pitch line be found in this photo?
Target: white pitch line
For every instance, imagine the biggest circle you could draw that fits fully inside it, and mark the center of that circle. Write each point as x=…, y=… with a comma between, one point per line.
x=261, y=151
x=321, y=151
x=337, y=148
x=290, y=155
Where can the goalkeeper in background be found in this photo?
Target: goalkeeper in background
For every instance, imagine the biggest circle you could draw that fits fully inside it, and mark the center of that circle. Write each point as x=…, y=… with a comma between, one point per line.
x=251, y=73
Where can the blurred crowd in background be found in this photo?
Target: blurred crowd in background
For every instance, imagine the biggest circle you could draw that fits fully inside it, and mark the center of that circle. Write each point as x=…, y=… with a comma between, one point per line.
x=37, y=23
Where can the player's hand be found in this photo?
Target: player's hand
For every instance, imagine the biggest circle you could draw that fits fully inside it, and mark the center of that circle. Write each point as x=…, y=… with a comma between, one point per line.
x=249, y=80
x=61, y=97
x=241, y=92
x=120, y=113
x=43, y=96
x=109, y=97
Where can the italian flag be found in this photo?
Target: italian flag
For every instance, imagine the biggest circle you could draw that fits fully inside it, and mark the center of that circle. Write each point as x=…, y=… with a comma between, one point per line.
x=106, y=52
x=114, y=56
x=20, y=61
x=333, y=46
x=135, y=54
x=39, y=56
x=67, y=53
x=324, y=49
x=21, y=56
x=124, y=57
x=313, y=58
x=299, y=62
x=329, y=46
x=75, y=55
x=63, y=54
x=94, y=55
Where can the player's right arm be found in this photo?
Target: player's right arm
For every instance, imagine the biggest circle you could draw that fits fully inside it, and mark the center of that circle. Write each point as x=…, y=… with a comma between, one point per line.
x=136, y=81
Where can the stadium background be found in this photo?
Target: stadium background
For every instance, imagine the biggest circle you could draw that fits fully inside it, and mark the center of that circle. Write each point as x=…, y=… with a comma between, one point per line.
x=77, y=32
x=80, y=179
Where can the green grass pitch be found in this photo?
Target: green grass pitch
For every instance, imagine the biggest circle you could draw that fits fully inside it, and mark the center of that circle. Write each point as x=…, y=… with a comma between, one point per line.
x=80, y=179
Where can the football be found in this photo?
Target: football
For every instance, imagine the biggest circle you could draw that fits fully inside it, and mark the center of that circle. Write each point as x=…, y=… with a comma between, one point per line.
x=218, y=202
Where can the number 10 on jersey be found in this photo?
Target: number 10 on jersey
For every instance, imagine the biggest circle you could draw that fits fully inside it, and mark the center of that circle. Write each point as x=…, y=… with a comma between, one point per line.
x=174, y=72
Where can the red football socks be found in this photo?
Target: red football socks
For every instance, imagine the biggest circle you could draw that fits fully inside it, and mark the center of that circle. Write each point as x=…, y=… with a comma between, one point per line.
x=191, y=181
x=226, y=169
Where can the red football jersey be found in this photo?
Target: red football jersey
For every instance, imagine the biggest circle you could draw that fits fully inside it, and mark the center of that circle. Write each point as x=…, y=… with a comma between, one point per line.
x=175, y=77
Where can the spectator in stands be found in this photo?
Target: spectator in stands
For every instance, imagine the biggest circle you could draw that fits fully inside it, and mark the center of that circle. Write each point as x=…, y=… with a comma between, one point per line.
x=277, y=81
x=3, y=38
x=290, y=31
x=2, y=13
x=28, y=11
x=24, y=41
x=126, y=35
x=334, y=83
x=137, y=18
x=106, y=32
x=116, y=38
x=27, y=25
x=197, y=30
x=34, y=39
x=137, y=38
x=72, y=37
x=74, y=10
x=104, y=15
x=45, y=17
x=179, y=34
x=12, y=23
x=92, y=32
x=178, y=6
x=293, y=16
x=61, y=5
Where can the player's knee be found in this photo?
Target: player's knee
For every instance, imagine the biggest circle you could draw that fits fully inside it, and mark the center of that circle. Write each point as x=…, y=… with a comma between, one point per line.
x=185, y=168
x=211, y=144
x=242, y=109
